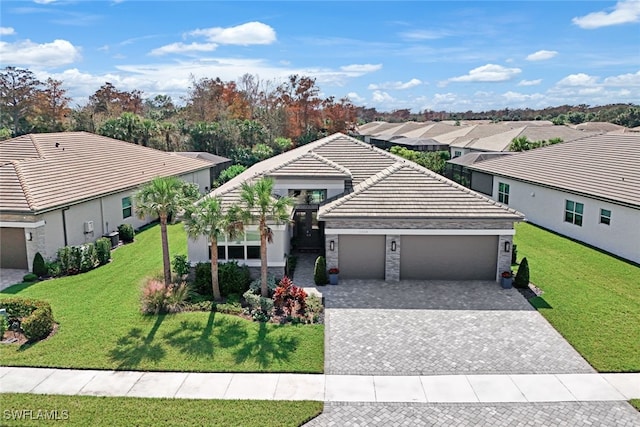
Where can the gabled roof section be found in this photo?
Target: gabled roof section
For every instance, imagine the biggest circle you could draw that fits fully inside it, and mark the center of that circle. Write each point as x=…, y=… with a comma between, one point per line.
x=407, y=191
x=310, y=164
x=203, y=155
x=58, y=169
x=603, y=166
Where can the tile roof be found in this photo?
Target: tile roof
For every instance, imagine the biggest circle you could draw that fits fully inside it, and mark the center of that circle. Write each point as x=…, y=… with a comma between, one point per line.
x=43, y=171
x=203, y=155
x=501, y=141
x=408, y=191
x=603, y=166
x=310, y=164
x=385, y=185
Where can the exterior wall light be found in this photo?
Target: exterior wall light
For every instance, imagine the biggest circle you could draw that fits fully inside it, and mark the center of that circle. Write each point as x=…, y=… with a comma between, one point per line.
x=507, y=246
x=29, y=236
x=332, y=245
x=393, y=246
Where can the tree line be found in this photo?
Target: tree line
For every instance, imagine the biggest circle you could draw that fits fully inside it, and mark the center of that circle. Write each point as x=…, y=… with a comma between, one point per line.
x=247, y=121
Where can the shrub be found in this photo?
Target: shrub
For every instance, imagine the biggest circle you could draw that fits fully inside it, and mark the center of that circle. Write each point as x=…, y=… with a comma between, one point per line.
x=228, y=308
x=181, y=265
x=75, y=263
x=257, y=302
x=39, y=324
x=514, y=254
x=233, y=278
x=320, y=272
x=54, y=269
x=202, y=281
x=103, y=250
x=289, y=299
x=29, y=277
x=3, y=326
x=314, y=308
x=290, y=268
x=37, y=317
x=256, y=285
x=522, y=277
x=39, y=266
x=126, y=233
x=89, y=257
x=158, y=298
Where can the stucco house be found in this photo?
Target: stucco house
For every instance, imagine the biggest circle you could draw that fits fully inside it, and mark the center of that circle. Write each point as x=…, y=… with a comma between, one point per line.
x=587, y=189
x=71, y=188
x=373, y=215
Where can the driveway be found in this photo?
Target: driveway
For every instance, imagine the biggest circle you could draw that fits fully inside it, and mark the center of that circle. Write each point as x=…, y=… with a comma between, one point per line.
x=439, y=327
x=10, y=276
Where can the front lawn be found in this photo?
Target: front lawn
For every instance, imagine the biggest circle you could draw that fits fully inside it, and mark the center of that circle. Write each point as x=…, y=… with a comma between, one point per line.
x=635, y=403
x=591, y=298
x=101, y=326
x=127, y=411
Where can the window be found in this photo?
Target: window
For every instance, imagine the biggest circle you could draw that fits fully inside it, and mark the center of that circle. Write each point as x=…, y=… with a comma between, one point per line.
x=253, y=252
x=236, y=252
x=503, y=193
x=573, y=212
x=457, y=154
x=126, y=207
x=605, y=216
x=308, y=196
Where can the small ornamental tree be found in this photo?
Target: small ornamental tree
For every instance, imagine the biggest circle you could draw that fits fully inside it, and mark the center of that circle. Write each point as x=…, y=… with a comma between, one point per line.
x=39, y=266
x=320, y=272
x=522, y=277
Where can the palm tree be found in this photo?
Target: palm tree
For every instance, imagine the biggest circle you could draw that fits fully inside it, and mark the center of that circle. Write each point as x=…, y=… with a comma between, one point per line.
x=208, y=218
x=261, y=205
x=161, y=197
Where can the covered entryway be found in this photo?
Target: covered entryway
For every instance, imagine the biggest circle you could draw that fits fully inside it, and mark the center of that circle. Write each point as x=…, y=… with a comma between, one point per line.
x=448, y=257
x=361, y=257
x=13, y=248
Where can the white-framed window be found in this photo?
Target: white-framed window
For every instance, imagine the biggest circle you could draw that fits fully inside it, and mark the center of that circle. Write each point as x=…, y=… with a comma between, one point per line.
x=127, y=209
x=242, y=247
x=573, y=212
x=503, y=193
x=605, y=216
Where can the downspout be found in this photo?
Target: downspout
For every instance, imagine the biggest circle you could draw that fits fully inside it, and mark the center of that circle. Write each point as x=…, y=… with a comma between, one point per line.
x=64, y=225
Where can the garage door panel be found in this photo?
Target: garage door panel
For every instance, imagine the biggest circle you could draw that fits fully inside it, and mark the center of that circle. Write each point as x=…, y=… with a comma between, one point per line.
x=361, y=257
x=13, y=250
x=448, y=257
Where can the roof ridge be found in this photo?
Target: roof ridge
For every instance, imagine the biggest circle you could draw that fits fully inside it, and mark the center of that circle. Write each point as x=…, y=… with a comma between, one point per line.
x=329, y=162
x=367, y=183
x=23, y=184
x=36, y=145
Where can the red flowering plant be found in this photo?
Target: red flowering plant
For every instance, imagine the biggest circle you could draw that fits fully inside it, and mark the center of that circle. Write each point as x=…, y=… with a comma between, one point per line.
x=507, y=274
x=289, y=298
x=334, y=270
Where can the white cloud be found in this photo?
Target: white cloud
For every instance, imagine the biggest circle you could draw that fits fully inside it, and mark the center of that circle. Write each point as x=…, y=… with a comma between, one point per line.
x=395, y=85
x=44, y=1
x=245, y=34
x=25, y=52
x=183, y=48
x=624, y=80
x=625, y=12
x=379, y=97
x=580, y=79
x=520, y=97
x=488, y=73
x=361, y=68
x=424, y=34
x=7, y=31
x=530, y=82
x=542, y=55
x=354, y=97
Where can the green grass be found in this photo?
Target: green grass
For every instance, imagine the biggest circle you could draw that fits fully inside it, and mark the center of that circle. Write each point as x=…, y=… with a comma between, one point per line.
x=591, y=298
x=127, y=411
x=101, y=325
x=635, y=403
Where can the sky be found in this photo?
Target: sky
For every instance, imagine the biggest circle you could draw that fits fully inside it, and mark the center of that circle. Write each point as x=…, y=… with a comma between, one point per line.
x=417, y=55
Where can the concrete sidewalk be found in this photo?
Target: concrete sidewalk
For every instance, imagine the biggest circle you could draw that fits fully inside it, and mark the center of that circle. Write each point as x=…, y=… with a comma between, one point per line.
x=327, y=388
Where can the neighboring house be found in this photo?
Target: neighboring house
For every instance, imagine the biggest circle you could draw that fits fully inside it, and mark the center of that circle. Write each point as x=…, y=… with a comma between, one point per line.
x=457, y=169
x=71, y=188
x=587, y=189
x=373, y=215
x=218, y=163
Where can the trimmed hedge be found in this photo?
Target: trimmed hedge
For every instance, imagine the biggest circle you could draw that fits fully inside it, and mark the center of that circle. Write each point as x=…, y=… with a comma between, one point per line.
x=320, y=272
x=126, y=233
x=36, y=316
x=522, y=277
x=233, y=278
x=39, y=266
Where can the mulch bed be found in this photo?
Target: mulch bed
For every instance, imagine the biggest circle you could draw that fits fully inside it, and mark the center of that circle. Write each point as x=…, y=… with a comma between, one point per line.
x=21, y=339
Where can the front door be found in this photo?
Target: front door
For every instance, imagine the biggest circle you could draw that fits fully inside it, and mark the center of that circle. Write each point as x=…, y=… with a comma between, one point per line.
x=309, y=233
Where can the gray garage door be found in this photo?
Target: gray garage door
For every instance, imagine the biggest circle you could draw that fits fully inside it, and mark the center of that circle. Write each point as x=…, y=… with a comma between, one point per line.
x=13, y=250
x=361, y=257
x=448, y=257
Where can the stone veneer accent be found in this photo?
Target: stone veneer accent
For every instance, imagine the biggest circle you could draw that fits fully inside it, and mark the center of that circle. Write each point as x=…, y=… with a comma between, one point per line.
x=392, y=259
x=504, y=258
x=331, y=255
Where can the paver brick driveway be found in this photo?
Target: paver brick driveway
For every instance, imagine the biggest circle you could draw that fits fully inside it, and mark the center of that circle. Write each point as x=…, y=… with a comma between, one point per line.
x=439, y=327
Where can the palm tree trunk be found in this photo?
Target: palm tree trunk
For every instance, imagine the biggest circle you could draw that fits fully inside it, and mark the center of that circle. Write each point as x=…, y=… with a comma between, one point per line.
x=165, y=249
x=263, y=259
x=214, y=269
